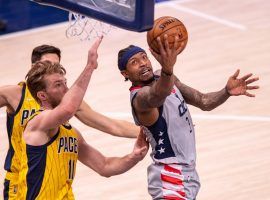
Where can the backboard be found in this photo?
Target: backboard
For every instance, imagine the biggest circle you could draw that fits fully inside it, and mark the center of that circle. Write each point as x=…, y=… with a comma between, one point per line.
x=134, y=15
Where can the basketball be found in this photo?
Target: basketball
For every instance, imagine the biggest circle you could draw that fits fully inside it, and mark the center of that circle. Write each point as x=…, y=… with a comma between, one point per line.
x=170, y=26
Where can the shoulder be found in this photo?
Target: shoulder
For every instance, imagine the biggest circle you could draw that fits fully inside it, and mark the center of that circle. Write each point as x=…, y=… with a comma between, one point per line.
x=79, y=136
x=139, y=90
x=10, y=96
x=11, y=89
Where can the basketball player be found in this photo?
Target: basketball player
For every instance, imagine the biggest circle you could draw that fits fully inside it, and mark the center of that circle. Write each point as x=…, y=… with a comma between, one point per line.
x=85, y=113
x=51, y=146
x=21, y=105
x=159, y=102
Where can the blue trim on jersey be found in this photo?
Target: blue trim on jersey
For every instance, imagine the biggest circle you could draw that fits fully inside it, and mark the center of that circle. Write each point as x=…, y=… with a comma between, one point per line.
x=67, y=126
x=10, y=153
x=21, y=101
x=9, y=125
x=36, y=167
x=6, y=189
x=159, y=131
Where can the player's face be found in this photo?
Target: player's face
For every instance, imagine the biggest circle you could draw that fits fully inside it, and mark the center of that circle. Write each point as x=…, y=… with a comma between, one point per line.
x=56, y=88
x=52, y=57
x=139, y=69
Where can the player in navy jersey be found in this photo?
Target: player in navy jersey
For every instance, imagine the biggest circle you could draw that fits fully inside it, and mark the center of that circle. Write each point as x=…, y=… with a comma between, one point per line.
x=159, y=103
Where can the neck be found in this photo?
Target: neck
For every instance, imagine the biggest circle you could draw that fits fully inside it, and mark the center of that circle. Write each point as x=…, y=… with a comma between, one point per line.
x=45, y=106
x=144, y=83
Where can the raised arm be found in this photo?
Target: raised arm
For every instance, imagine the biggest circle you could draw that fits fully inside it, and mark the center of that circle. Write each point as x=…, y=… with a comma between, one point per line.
x=72, y=99
x=108, y=125
x=208, y=101
x=110, y=166
x=10, y=96
x=154, y=96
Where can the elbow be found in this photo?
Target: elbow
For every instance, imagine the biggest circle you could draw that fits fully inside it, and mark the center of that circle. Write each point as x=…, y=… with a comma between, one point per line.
x=206, y=108
x=206, y=104
x=68, y=112
x=104, y=169
x=104, y=174
x=68, y=108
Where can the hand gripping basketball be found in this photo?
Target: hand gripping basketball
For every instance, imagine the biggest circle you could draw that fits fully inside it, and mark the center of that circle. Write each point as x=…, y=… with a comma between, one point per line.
x=171, y=27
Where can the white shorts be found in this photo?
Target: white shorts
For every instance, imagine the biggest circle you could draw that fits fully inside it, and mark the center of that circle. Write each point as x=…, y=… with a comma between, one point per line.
x=170, y=182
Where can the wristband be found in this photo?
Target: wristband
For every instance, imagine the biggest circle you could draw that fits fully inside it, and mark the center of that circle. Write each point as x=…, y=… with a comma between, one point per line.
x=166, y=73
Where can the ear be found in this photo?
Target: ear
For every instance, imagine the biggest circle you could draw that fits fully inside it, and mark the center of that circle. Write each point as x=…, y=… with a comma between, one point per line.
x=124, y=73
x=42, y=96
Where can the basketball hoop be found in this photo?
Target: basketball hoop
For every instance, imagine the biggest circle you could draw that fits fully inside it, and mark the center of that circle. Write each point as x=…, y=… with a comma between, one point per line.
x=86, y=28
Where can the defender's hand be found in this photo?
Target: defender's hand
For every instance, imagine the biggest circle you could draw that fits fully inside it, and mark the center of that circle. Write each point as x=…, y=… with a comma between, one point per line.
x=141, y=146
x=92, y=53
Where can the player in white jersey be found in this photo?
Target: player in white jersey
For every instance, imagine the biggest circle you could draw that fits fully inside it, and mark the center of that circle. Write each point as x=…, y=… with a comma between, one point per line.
x=159, y=103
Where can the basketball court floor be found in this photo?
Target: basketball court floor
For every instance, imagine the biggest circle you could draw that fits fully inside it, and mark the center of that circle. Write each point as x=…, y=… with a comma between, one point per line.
x=233, y=141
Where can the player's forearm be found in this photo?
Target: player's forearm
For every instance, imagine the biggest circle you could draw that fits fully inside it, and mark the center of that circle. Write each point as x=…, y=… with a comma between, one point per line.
x=105, y=124
x=115, y=165
x=126, y=129
x=119, y=128
x=73, y=98
x=161, y=89
x=214, y=99
x=206, y=101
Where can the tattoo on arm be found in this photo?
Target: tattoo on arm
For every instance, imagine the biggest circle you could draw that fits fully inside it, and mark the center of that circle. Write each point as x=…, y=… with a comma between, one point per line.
x=190, y=95
x=206, y=101
x=146, y=100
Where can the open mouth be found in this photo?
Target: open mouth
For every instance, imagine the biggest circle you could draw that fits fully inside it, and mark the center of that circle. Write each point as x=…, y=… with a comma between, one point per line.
x=145, y=72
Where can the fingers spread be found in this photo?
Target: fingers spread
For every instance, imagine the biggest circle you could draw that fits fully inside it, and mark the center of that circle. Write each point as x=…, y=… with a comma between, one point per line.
x=249, y=95
x=236, y=73
x=252, y=80
x=246, y=76
x=252, y=87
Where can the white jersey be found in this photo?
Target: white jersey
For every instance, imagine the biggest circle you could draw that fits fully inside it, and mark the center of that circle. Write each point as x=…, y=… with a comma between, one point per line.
x=172, y=138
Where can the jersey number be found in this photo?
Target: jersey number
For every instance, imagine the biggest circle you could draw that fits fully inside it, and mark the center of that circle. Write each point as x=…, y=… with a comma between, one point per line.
x=182, y=110
x=190, y=129
x=71, y=169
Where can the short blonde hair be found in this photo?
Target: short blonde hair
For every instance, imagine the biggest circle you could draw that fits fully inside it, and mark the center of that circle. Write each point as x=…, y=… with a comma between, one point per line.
x=35, y=76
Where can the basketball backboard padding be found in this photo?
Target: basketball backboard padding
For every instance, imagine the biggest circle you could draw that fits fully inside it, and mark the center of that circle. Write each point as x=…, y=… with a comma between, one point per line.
x=133, y=15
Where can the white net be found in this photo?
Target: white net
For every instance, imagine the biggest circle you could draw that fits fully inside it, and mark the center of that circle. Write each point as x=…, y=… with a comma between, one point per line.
x=86, y=28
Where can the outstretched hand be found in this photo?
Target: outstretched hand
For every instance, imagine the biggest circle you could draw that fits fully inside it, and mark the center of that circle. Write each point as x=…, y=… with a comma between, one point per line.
x=92, y=53
x=167, y=56
x=240, y=86
x=141, y=146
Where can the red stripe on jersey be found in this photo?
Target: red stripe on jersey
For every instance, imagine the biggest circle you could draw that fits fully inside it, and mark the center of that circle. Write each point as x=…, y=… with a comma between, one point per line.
x=171, y=169
x=134, y=88
x=173, y=198
x=172, y=180
x=182, y=193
